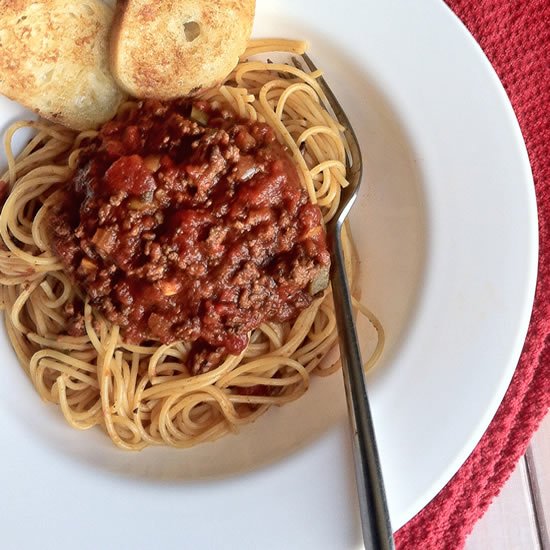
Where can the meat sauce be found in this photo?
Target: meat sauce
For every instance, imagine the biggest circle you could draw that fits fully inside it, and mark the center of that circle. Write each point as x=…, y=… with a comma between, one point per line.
x=183, y=222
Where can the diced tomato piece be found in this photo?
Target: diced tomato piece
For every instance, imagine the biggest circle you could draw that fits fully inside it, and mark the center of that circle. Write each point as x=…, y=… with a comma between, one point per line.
x=129, y=174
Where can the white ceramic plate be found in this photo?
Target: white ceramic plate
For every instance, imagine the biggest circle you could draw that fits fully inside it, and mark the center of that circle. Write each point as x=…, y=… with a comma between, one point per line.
x=446, y=227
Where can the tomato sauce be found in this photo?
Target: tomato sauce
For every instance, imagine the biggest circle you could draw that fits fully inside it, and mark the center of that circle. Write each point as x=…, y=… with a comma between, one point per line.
x=184, y=222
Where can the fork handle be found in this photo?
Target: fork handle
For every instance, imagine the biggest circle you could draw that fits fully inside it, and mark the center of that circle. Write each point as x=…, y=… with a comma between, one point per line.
x=375, y=522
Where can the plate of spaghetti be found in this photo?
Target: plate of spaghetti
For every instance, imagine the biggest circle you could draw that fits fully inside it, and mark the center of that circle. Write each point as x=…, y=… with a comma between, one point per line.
x=144, y=293
x=169, y=346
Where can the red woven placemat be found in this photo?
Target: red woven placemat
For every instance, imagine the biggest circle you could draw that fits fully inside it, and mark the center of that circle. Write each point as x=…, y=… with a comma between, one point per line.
x=515, y=35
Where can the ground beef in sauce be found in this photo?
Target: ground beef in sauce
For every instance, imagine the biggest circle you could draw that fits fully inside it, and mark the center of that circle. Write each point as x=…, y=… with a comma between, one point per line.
x=186, y=230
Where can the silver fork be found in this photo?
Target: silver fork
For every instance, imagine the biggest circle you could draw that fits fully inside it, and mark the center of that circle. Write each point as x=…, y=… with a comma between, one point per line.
x=375, y=521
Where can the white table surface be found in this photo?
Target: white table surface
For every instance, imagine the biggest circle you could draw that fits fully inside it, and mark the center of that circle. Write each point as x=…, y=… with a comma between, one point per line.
x=519, y=518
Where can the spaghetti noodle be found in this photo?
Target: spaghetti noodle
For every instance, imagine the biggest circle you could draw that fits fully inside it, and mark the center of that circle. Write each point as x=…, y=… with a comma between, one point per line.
x=144, y=394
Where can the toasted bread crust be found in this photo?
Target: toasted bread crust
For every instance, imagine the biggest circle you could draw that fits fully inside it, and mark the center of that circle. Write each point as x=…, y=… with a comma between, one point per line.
x=54, y=60
x=174, y=48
